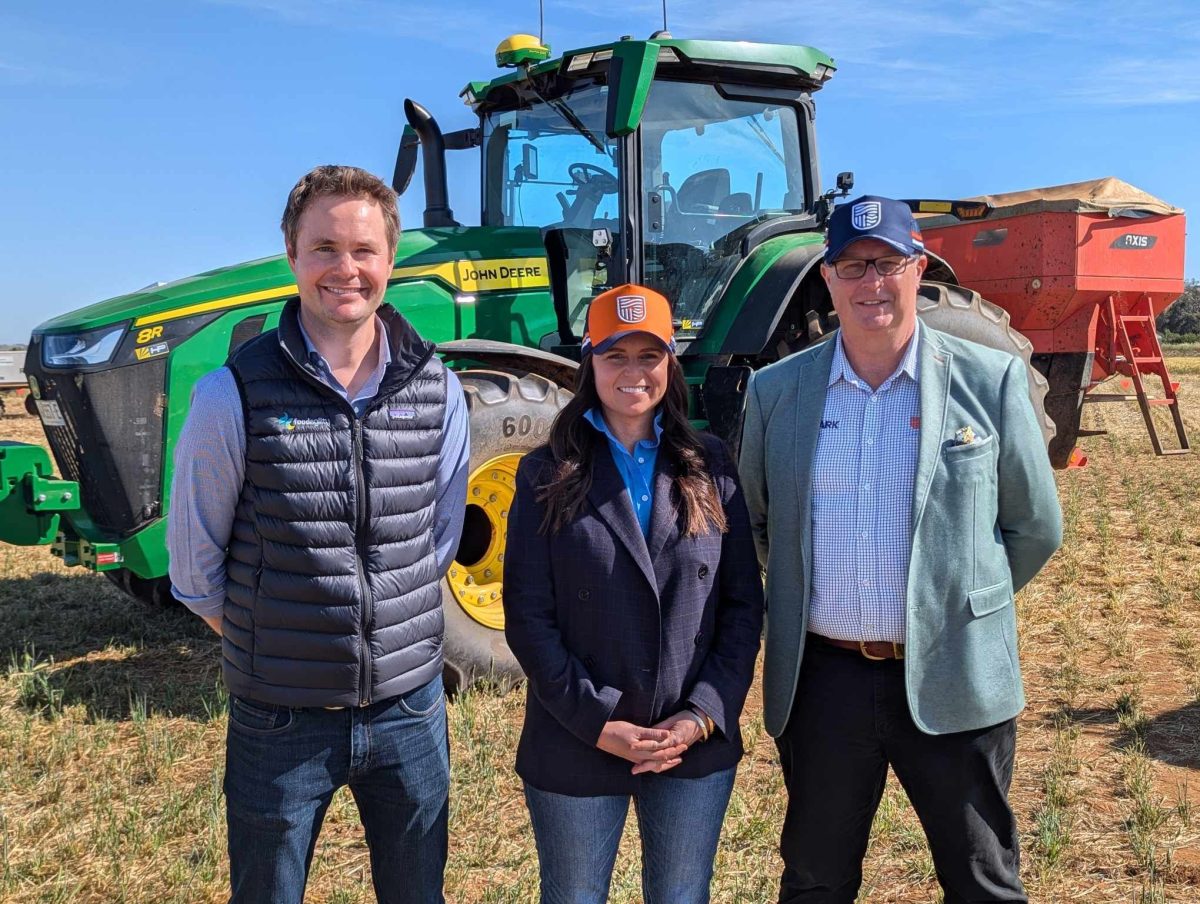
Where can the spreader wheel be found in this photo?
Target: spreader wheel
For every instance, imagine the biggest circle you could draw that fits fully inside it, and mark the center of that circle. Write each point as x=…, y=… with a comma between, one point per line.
x=963, y=313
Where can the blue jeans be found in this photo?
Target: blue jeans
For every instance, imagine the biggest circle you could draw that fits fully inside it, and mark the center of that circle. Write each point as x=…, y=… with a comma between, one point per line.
x=283, y=765
x=680, y=821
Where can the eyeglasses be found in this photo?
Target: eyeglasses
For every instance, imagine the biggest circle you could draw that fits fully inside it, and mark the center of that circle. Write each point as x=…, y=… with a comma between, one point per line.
x=856, y=268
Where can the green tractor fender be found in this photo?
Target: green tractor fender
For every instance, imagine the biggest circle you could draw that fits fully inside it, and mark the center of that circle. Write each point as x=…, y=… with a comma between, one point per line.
x=509, y=356
x=790, y=304
x=763, y=316
x=775, y=306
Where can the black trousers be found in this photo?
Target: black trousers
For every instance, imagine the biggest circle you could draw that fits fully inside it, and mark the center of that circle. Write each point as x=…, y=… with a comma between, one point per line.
x=850, y=721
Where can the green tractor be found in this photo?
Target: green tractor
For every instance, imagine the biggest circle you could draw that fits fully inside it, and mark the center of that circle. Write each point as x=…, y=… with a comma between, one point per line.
x=687, y=166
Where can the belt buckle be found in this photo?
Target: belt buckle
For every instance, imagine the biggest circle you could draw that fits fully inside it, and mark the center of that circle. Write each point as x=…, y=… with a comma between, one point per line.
x=898, y=650
x=862, y=648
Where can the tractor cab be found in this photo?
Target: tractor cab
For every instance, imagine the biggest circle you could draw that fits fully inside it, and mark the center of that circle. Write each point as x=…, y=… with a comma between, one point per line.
x=661, y=162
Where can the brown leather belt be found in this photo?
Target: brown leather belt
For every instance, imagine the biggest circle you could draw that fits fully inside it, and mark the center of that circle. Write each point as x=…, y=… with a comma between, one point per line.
x=872, y=649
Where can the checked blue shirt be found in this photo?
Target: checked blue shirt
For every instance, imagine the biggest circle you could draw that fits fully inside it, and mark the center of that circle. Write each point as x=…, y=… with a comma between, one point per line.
x=862, y=486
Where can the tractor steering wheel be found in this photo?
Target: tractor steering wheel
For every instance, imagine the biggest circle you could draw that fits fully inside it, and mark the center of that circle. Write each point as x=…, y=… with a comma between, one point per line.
x=593, y=177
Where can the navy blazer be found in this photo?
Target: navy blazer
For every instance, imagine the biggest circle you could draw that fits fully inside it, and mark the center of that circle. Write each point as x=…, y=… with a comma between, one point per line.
x=609, y=625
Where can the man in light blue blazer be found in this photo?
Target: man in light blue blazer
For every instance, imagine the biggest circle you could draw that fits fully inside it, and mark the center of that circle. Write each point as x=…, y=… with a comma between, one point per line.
x=900, y=494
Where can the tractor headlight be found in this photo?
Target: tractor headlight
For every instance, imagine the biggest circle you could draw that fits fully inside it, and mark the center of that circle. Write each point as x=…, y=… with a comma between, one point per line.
x=74, y=349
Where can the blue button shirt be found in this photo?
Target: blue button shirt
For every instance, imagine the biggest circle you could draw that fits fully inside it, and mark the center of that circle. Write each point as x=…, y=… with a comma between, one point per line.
x=370, y=388
x=862, y=490
x=636, y=468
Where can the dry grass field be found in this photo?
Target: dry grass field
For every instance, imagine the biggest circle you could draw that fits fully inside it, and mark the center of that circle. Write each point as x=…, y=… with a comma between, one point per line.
x=112, y=725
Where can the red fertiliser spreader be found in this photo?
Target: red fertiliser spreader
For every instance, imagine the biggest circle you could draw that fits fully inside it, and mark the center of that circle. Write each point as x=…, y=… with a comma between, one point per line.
x=1082, y=270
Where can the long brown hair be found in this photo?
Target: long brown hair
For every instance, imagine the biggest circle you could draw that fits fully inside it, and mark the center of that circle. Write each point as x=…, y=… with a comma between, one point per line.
x=572, y=441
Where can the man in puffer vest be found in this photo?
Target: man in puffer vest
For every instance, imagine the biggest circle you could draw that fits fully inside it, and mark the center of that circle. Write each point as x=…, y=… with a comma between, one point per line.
x=318, y=499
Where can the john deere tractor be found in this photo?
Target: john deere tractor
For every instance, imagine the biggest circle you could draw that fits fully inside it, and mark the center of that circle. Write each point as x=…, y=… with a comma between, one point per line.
x=688, y=166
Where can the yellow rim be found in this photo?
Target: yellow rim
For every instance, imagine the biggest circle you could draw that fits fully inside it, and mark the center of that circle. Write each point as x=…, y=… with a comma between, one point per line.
x=476, y=581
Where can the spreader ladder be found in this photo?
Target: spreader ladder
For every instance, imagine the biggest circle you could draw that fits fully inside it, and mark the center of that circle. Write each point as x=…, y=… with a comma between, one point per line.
x=1133, y=349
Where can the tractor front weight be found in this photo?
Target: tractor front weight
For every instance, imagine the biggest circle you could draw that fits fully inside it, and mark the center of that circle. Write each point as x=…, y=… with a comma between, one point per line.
x=31, y=498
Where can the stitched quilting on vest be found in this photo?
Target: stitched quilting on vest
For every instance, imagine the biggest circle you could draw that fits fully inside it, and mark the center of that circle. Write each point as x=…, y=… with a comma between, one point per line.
x=333, y=593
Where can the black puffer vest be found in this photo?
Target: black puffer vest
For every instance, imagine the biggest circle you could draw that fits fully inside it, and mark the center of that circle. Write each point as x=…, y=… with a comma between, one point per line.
x=333, y=594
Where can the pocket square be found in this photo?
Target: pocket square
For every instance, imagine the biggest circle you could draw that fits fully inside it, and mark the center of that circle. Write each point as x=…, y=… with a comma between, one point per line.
x=964, y=436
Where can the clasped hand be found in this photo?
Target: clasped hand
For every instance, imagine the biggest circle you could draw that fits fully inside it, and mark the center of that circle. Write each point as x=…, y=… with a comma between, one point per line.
x=654, y=749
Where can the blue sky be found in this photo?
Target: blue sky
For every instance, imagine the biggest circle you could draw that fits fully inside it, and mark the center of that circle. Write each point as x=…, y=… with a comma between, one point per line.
x=144, y=141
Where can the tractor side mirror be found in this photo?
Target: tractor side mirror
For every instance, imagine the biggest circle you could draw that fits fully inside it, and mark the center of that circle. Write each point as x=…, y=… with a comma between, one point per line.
x=529, y=161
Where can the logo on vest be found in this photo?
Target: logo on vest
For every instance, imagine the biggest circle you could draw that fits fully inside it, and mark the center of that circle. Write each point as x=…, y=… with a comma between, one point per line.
x=402, y=414
x=291, y=424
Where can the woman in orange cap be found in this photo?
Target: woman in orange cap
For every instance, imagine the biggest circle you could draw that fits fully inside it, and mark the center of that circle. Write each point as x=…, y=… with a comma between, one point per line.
x=633, y=601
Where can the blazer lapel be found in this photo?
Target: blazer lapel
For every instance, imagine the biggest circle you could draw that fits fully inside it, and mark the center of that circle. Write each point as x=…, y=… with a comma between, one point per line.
x=664, y=520
x=611, y=501
x=934, y=389
x=813, y=384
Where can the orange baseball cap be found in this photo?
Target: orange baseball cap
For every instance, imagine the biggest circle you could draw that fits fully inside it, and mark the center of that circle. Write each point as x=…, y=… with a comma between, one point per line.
x=627, y=309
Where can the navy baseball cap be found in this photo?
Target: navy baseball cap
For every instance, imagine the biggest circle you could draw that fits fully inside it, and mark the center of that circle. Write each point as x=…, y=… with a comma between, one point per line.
x=872, y=217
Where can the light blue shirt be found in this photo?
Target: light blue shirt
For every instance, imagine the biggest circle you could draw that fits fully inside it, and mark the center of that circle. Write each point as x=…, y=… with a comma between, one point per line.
x=636, y=468
x=862, y=494
x=369, y=388
x=211, y=465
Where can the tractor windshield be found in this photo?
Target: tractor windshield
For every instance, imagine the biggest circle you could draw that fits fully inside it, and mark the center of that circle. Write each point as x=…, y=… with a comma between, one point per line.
x=712, y=163
x=550, y=164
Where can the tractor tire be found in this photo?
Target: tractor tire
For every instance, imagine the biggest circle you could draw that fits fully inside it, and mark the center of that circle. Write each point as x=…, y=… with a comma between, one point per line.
x=963, y=313
x=1068, y=374
x=152, y=591
x=511, y=414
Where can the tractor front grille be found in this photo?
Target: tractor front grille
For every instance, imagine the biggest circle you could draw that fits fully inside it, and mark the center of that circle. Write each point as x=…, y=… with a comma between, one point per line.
x=112, y=439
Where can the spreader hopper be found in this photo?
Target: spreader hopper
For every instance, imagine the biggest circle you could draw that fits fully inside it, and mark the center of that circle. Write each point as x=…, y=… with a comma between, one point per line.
x=1083, y=270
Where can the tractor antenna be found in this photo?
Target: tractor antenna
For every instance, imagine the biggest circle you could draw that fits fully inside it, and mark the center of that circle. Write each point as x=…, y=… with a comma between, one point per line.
x=664, y=32
x=541, y=22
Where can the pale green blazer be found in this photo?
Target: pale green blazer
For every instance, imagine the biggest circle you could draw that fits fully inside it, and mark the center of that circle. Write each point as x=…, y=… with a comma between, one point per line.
x=985, y=519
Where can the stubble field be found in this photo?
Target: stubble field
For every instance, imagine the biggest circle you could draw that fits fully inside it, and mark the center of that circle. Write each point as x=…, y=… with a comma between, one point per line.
x=112, y=725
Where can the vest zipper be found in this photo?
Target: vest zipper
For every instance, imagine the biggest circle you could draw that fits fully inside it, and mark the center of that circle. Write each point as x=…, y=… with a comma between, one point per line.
x=364, y=693
x=360, y=525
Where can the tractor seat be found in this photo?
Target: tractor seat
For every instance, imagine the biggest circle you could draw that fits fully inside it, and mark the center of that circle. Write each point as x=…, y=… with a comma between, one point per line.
x=703, y=192
x=739, y=203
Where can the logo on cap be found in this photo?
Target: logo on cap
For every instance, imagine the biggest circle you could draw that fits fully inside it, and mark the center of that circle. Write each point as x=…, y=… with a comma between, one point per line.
x=631, y=308
x=866, y=215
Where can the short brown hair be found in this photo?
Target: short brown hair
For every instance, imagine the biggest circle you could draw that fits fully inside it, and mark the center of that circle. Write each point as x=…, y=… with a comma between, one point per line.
x=347, y=181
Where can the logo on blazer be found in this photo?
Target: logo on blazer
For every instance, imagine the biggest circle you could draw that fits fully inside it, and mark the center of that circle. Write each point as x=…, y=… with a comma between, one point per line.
x=866, y=215
x=631, y=308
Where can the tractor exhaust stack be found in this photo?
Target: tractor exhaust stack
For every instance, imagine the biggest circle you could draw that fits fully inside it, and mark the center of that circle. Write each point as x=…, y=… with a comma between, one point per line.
x=433, y=154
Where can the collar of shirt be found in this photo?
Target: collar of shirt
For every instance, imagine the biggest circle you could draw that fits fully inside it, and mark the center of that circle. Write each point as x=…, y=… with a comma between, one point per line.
x=636, y=468
x=595, y=417
x=325, y=372
x=840, y=369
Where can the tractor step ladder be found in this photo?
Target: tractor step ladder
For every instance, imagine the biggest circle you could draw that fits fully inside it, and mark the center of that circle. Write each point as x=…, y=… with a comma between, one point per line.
x=1134, y=350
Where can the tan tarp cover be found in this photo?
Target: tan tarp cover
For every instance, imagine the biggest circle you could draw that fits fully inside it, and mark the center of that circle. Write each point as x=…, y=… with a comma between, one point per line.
x=1108, y=196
